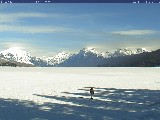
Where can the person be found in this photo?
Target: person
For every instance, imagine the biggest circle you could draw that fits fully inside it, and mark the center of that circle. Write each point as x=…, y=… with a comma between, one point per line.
x=92, y=92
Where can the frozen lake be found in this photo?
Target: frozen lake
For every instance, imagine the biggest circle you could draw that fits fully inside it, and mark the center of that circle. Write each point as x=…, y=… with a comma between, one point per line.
x=63, y=93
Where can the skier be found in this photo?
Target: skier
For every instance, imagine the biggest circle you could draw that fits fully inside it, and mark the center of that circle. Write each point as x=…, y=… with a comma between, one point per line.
x=92, y=92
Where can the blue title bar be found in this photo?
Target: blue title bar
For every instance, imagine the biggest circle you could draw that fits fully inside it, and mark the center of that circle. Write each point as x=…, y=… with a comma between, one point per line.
x=79, y=1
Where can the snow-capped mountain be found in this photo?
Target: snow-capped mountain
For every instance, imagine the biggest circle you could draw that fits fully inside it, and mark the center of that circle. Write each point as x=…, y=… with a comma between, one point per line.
x=106, y=54
x=89, y=57
x=16, y=54
x=88, y=51
x=92, y=51
x=141, y=50
x=39, y=62
x=85, y=57
x=122, y=52
x=59, y=58
x=126, y=51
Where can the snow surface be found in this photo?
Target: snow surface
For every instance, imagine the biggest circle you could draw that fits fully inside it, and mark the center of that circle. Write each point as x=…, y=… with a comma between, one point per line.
x=63, y=93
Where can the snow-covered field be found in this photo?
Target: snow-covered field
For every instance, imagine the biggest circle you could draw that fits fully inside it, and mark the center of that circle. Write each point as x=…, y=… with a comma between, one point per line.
x=63, y=93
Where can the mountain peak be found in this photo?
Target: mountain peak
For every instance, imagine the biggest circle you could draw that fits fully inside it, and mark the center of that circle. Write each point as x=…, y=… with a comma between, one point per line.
x=122, y=52
x=89, y=49
x=16, y=54
x=59, y=58
x=62, y=55
x=141, y=50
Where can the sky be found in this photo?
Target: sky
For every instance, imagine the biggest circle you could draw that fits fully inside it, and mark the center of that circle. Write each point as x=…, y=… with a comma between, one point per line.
x=47, y=29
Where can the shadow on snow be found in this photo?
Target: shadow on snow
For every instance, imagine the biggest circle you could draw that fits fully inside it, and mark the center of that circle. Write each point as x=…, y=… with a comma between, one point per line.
x=108, y=104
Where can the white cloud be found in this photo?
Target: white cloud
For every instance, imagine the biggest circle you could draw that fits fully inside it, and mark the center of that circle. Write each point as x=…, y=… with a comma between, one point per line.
x=7, y=21
x=16, y=17
x=13, y=17
x=134, y=32
x=31, y=29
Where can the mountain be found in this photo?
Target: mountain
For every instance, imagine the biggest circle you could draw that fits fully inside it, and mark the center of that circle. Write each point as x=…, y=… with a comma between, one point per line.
x=4, y=62
x=141, y=50
x=125, y=51
x=86, y=57
x=89, y=57
x=106, y=54
x=122, y=52
x=144, y=59
x=39, y=62
x=58, y=59
x=16, y=54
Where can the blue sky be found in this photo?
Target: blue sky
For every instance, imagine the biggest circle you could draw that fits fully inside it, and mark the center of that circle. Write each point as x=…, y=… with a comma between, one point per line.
x=47, y=29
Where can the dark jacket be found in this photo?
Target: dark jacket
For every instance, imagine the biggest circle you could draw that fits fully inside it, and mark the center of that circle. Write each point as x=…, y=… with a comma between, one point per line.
x=91, y=91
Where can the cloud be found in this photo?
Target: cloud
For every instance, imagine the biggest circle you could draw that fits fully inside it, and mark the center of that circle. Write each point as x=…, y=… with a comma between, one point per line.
x=16, y=17
x=6, y=17
x=32, y=29
x=13, y=17
x=134, y=32
x=7, y=21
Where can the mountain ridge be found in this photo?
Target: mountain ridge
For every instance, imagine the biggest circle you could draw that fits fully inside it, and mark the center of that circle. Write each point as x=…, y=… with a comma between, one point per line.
x=86, y=57
x=145, y=59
